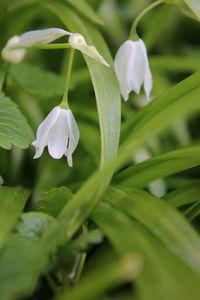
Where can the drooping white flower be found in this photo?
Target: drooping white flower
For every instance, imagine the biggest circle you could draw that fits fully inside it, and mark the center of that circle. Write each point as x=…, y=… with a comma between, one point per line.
x=59, y=132
x=77, y=41
x=29, y=39
x=132, y=68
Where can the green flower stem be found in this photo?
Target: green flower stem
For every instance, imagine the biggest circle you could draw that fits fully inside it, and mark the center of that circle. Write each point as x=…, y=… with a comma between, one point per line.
x=45, y=46
x=64, y=104
x=133, y=33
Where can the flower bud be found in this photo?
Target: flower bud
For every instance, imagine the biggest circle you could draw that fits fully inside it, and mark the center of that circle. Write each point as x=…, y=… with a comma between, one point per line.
x=13, y=55
x=77, y=41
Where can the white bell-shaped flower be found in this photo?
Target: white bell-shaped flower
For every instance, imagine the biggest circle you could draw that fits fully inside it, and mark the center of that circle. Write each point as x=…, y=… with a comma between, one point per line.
x=132, y=68
x=29, y=39
x=77, y=41
x=59, y=132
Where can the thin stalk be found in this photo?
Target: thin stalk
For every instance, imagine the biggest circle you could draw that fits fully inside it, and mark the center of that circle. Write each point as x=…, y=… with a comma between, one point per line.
x=81, y=261
x=80, y=267
x=133, y=33
x=64, y=104
x=44, y=46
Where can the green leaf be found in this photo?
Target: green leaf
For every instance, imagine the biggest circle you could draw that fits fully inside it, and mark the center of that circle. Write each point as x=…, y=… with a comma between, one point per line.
x=37, y=81
x=33, y=224
x=193, y=212
x=54, y=200
x=85, y=9
x=185, y=195
x=92, y=145
x=20, y=262
x=14, y=128
x=164, y=276
x=162, y=220
x=94, y=236
x=174, y=63
x=160, y=166
x=12, y=201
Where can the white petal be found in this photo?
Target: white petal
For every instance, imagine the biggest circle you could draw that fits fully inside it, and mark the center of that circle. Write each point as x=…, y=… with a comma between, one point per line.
x=148, y=82
x=43, y=36
x=138, y=68
x=43, y=131
x=130, y=67
x=58, y=136
x=77, y=41
x=14, y=56
x=121, y=68
x=74, y=135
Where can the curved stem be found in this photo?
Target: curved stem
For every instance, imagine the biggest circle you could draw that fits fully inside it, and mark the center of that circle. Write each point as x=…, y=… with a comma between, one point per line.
x=64, y=104
x=133, y=33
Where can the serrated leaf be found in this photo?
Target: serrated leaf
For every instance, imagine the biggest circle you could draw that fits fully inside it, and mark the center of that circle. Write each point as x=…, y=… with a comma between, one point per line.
x=37, y=81
x=54, y=200
x=14, y=128
x=12, y=201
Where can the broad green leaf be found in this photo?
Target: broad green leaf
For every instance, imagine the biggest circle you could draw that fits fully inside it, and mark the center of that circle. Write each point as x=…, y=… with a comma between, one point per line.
x=54, y=200
x=162, y=220
x=12, y=202
x=20, y=263
x=160, y=166
x=185, y=195
x=125, y=268
x=85, y=9
x=14, y=128
x=164, y=276
x=103, y=79
x=37, y=81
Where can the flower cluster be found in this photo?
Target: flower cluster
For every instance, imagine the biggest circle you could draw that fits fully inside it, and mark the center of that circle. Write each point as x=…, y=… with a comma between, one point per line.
x=59, y=131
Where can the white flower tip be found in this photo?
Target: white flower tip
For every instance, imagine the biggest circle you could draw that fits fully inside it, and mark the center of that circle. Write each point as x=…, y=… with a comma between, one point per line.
x=13, y=55
x=77, y=41
x=69, y=161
